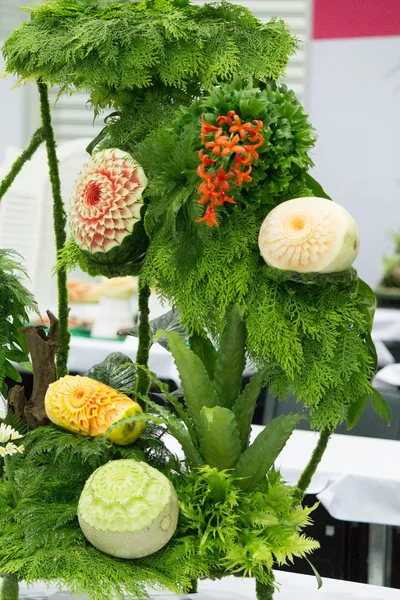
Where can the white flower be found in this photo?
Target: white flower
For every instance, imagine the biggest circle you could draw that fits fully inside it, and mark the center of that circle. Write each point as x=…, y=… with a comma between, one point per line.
x=5, y=432
x=11, y=449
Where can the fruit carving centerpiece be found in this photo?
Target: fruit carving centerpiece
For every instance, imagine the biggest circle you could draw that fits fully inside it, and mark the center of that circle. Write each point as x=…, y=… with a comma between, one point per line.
x=198, y=184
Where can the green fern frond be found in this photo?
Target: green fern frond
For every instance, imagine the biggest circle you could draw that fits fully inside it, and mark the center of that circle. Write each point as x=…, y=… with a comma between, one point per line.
x=114, y=49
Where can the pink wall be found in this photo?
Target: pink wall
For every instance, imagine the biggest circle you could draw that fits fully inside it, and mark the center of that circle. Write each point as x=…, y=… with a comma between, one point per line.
x=356, y=18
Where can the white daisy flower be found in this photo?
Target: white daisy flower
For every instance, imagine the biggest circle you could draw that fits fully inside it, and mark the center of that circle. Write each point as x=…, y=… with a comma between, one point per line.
x=5, y=432
x=11, y=449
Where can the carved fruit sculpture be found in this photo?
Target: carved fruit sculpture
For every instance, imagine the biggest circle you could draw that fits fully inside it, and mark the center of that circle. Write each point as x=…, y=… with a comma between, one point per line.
x=106, y=205
x=128, y=509
x=309, y=235
x=88, y=407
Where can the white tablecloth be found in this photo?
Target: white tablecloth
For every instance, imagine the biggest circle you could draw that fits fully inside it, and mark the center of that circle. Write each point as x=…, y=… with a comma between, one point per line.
x=357, y=480
x=387, y=324
x=293, y=587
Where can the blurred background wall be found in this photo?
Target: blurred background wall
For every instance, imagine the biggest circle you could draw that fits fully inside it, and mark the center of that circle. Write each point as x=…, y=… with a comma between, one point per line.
x=347, y=73
x=353, y=93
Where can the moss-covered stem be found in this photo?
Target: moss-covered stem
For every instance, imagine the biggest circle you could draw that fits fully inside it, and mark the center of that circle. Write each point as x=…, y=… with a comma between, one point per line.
x=263, y=591
x=142, y=357
x=26, y=155
x=60, y=222
x=9, y=587
x=9, y=475
x=194, y=587
x=307, y=475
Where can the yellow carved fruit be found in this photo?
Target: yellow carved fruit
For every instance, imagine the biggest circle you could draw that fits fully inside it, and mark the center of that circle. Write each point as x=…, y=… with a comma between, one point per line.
x=309, y=235
x=88, y=407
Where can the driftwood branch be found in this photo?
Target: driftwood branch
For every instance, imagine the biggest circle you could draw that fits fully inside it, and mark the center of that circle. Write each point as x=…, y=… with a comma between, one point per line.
x=43, y=350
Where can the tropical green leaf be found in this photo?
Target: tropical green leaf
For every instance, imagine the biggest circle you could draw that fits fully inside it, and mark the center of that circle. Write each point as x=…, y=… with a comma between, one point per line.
x=380, y=406
x=368, y=296
x=16, y=355
x=369, y=301
x=231, y=360
x=204, y=349
x=372, y=350
x=198, y=389
x=315, y=187
x=255, y=462
x=170, y=321
x=138, y=418
x=117, y=371
x=12, y=372
x=219, y=437
x=355, y=411
x=245, y=404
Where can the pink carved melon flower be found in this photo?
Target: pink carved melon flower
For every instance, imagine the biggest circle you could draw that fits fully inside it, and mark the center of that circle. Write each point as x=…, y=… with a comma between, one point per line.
x=106, y=200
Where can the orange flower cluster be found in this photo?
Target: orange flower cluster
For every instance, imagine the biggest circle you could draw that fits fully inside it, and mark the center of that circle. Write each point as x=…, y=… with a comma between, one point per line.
x=241, y=144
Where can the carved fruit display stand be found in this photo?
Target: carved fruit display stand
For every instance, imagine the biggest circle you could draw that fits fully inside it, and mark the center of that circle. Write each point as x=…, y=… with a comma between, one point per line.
x=199, y=185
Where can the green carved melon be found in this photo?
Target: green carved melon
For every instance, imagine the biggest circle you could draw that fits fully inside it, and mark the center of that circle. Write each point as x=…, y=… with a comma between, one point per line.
x=128, y=509
x=106, y=208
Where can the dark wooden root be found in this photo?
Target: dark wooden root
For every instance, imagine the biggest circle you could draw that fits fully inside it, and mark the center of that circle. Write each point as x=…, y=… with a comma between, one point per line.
x=43, y=350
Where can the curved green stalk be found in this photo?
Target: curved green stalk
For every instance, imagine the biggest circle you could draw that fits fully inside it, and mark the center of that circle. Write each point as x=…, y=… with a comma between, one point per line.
x=17, y=165
x=60, y=222
x=307, y=475
x=142, y=356
x=9, y=587
x=264, y=592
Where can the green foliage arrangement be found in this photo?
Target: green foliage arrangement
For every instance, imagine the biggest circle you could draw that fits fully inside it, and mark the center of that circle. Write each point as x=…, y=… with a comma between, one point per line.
x=232, y=519
x=204, y=271
x=243, y=533
x=39, y=533
x=15, y=303
x=174, y=75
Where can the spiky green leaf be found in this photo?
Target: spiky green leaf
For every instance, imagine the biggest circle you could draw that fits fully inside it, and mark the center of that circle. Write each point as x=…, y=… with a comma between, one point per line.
x=219, y=437
x=244, y=406
x=204, y=349
x=198, y=389
x=256, y=461
x=231, y=359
